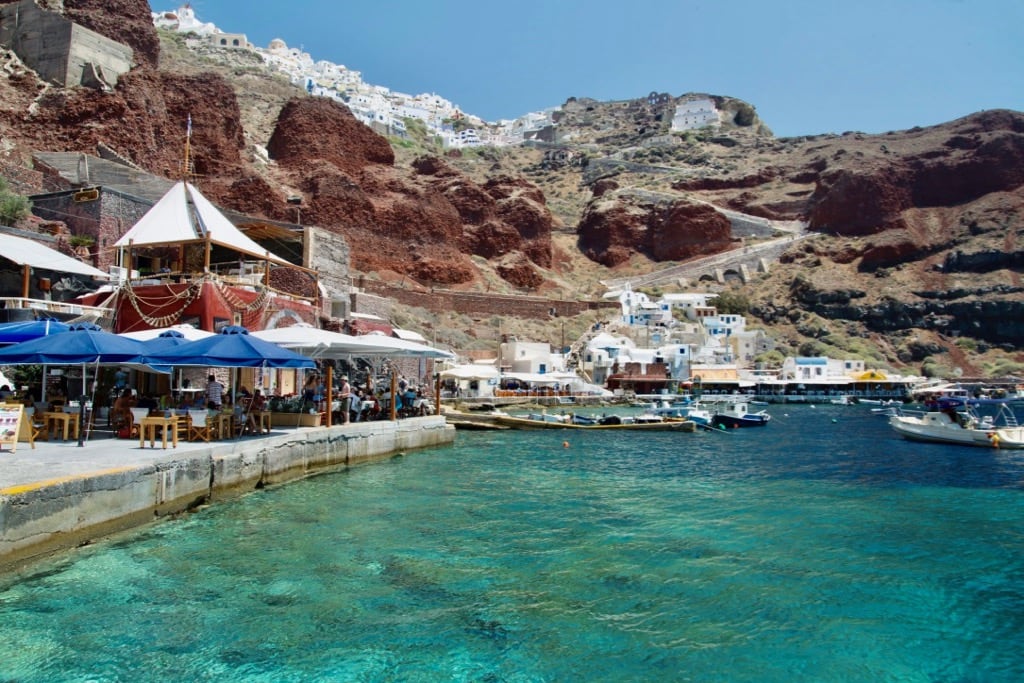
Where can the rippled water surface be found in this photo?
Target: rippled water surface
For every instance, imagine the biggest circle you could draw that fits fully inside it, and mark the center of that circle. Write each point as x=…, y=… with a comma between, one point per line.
x=818, y=548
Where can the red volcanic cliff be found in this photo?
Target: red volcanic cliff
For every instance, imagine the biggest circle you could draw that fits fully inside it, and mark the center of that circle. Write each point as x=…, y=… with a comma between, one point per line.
x=968, y=159
x=614, y=228
x=423, y=223
x=409, y=222
x=926, y=195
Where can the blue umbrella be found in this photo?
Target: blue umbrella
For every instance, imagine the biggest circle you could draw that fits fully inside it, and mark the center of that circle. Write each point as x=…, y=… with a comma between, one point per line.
x=165, y=341
x=82, y=343
x=234, y=347
x=27, y=330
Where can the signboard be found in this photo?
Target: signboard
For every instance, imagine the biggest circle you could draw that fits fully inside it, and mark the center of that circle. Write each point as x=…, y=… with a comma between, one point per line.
x=10, y=420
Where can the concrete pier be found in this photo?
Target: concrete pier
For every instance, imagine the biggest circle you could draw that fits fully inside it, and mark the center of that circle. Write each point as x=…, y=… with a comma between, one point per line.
x=61, y=495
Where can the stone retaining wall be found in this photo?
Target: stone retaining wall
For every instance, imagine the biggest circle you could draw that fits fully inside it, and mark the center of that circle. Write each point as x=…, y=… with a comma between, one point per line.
x=57, y=514
x=481, y=304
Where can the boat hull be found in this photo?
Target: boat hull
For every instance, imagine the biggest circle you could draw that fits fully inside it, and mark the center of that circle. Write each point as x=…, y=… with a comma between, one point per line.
x=937, y=427
x=527, y=423
x=735, y=421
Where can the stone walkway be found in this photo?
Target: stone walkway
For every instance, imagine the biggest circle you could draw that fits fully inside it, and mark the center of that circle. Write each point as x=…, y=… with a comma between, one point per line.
x=54, y=461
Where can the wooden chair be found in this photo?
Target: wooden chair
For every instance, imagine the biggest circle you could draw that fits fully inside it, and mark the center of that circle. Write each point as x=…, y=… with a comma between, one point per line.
x=137, y=415
x=183, y=426
x=200, y=428
x=34, y=426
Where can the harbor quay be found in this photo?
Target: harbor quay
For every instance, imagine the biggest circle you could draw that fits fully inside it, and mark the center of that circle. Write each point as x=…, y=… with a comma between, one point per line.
x=60, y=495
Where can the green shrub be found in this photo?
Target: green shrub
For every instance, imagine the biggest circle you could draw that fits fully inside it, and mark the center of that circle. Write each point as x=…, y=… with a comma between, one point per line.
x=772, y=359
x=732, y=302
x=13, y=207
x=811, y=349
x=745, y=115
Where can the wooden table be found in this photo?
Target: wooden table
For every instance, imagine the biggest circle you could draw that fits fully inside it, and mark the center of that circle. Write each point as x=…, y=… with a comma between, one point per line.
x=69, y=421
x=149, y=425
x=225, y=424
x=263, y=421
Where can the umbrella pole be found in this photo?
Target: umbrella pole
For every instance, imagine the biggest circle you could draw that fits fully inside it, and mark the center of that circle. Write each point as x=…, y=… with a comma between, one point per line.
x=302, y=400
x=330, y=381
x=81, y=407
x=85, y=424
x=393, y=410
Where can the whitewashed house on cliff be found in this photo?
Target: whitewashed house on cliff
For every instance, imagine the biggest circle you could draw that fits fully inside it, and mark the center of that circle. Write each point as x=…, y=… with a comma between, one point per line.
x=695, y=113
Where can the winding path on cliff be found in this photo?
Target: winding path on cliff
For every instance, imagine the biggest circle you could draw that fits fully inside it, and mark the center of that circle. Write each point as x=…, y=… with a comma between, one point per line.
x=731, y=260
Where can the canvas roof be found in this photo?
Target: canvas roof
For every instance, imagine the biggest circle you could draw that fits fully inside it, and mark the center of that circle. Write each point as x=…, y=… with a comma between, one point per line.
x=471, y=372
x=25, y=252
x=409, y=335
x=185, y=215
x=327, y=344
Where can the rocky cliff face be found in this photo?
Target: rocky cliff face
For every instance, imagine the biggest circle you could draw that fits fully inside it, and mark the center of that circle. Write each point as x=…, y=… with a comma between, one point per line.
x=622, y=224
x=424, y=222
x=409, y=222
x=918, y=230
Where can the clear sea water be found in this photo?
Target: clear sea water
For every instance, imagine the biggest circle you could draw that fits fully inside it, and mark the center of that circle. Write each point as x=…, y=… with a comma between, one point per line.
x=820, y=548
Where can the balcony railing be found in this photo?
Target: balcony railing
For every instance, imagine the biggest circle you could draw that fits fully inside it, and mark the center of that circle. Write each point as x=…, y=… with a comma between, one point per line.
x=57, y=307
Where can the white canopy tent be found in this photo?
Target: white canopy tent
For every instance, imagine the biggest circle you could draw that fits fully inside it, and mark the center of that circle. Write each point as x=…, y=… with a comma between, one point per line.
x=470, y=372
x=566, y=380
x=25, y=252
x=326, y=344
x=404, y=347
x=473, y=381
x=184, y=216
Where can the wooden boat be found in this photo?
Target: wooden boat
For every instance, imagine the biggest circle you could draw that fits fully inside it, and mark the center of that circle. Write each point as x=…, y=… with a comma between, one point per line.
x=473, y=420
x=528, y=422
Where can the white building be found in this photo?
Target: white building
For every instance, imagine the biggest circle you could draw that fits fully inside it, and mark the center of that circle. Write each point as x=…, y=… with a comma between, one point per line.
x=470, y=381
x=374, y=105
x=183, y=20
x=232, y=40
x=690, y=305
x=820, y=369
x=696, y=112
x=527, y=357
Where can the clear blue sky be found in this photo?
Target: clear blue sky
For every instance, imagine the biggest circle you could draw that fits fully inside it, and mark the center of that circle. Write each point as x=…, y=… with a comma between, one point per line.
x=808, y=66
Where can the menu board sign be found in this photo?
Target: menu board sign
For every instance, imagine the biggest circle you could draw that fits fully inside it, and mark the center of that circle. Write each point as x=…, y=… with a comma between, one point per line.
x=10, y=419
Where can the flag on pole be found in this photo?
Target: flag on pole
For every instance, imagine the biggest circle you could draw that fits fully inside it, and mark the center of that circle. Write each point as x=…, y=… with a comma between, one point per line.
x=189, y=129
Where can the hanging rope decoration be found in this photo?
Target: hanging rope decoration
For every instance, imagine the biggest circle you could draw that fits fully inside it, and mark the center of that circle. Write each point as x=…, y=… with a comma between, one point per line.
x=187, y=296
x=236, y=303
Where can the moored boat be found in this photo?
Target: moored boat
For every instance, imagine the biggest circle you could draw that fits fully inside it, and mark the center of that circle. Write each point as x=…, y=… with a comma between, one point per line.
x=608, y=423
x=735, y=414
x=691, y=410
x=472, y=420
x=961, y=427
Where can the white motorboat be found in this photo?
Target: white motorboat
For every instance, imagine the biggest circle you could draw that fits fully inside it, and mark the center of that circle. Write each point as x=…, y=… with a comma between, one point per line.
x=958, y=427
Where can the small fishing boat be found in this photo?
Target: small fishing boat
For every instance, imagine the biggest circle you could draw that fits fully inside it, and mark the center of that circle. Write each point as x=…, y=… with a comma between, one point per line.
x=732, y=414
x=690, y=410
x=472, y=420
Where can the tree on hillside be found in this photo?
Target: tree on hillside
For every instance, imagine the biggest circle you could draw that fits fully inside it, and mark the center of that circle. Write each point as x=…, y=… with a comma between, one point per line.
x=732, y=302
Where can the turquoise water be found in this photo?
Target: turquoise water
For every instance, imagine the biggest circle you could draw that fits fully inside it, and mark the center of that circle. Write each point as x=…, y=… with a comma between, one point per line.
x=820, y=548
